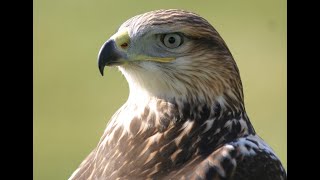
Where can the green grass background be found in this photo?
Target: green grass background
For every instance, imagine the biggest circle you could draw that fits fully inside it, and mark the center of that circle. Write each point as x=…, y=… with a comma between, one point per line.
x=73, y=102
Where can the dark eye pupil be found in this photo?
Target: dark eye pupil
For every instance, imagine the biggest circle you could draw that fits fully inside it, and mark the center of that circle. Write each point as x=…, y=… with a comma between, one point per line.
x=171, y=40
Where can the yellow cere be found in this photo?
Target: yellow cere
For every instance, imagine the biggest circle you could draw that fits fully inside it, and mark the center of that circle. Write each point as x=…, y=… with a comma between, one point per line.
x=121, y=37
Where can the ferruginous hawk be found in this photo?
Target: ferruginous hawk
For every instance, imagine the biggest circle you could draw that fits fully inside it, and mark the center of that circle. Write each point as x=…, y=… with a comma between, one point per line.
x=185, y=116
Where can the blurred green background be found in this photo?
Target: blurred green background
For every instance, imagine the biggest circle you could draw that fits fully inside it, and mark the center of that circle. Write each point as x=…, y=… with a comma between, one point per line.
x=73, y=102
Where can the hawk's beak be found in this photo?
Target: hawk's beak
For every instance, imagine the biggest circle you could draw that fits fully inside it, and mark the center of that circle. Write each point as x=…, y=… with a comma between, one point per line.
x=108, y=55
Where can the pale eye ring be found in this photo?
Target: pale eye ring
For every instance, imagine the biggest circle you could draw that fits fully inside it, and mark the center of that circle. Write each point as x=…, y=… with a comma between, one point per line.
x=172, y=40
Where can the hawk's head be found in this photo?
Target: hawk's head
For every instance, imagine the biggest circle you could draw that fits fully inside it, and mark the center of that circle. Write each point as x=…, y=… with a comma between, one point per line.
x=173, y=54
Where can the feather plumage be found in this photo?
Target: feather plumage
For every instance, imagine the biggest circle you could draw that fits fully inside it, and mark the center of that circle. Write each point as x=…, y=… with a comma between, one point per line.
x=184, y=119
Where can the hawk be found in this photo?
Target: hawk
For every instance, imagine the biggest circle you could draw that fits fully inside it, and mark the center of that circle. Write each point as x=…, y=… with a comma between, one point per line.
x=185, y=116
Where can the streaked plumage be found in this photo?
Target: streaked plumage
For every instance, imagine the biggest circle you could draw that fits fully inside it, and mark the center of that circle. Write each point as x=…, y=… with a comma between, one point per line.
x=185, y=116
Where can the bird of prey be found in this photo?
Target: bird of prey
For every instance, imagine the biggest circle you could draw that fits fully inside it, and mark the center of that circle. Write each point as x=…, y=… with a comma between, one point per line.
x=185, y=116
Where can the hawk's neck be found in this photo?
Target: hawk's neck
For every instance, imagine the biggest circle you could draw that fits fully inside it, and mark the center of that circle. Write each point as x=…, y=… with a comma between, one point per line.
x=212, y=123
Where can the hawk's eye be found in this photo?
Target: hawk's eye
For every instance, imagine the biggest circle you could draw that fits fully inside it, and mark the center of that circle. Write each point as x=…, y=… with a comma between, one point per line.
x=172, y=40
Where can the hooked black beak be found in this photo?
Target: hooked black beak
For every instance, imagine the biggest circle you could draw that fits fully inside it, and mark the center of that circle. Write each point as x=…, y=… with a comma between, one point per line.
x=108, y=55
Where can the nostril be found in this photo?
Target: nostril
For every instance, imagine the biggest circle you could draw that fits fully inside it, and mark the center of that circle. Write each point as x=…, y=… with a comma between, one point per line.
x=124, y=45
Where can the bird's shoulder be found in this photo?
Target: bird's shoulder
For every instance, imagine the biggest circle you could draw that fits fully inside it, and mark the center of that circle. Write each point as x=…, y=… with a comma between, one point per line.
x=246, y=158
x=256, y=160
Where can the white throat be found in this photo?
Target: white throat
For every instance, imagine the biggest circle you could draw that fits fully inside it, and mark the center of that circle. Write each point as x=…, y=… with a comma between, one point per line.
x=148, y=83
